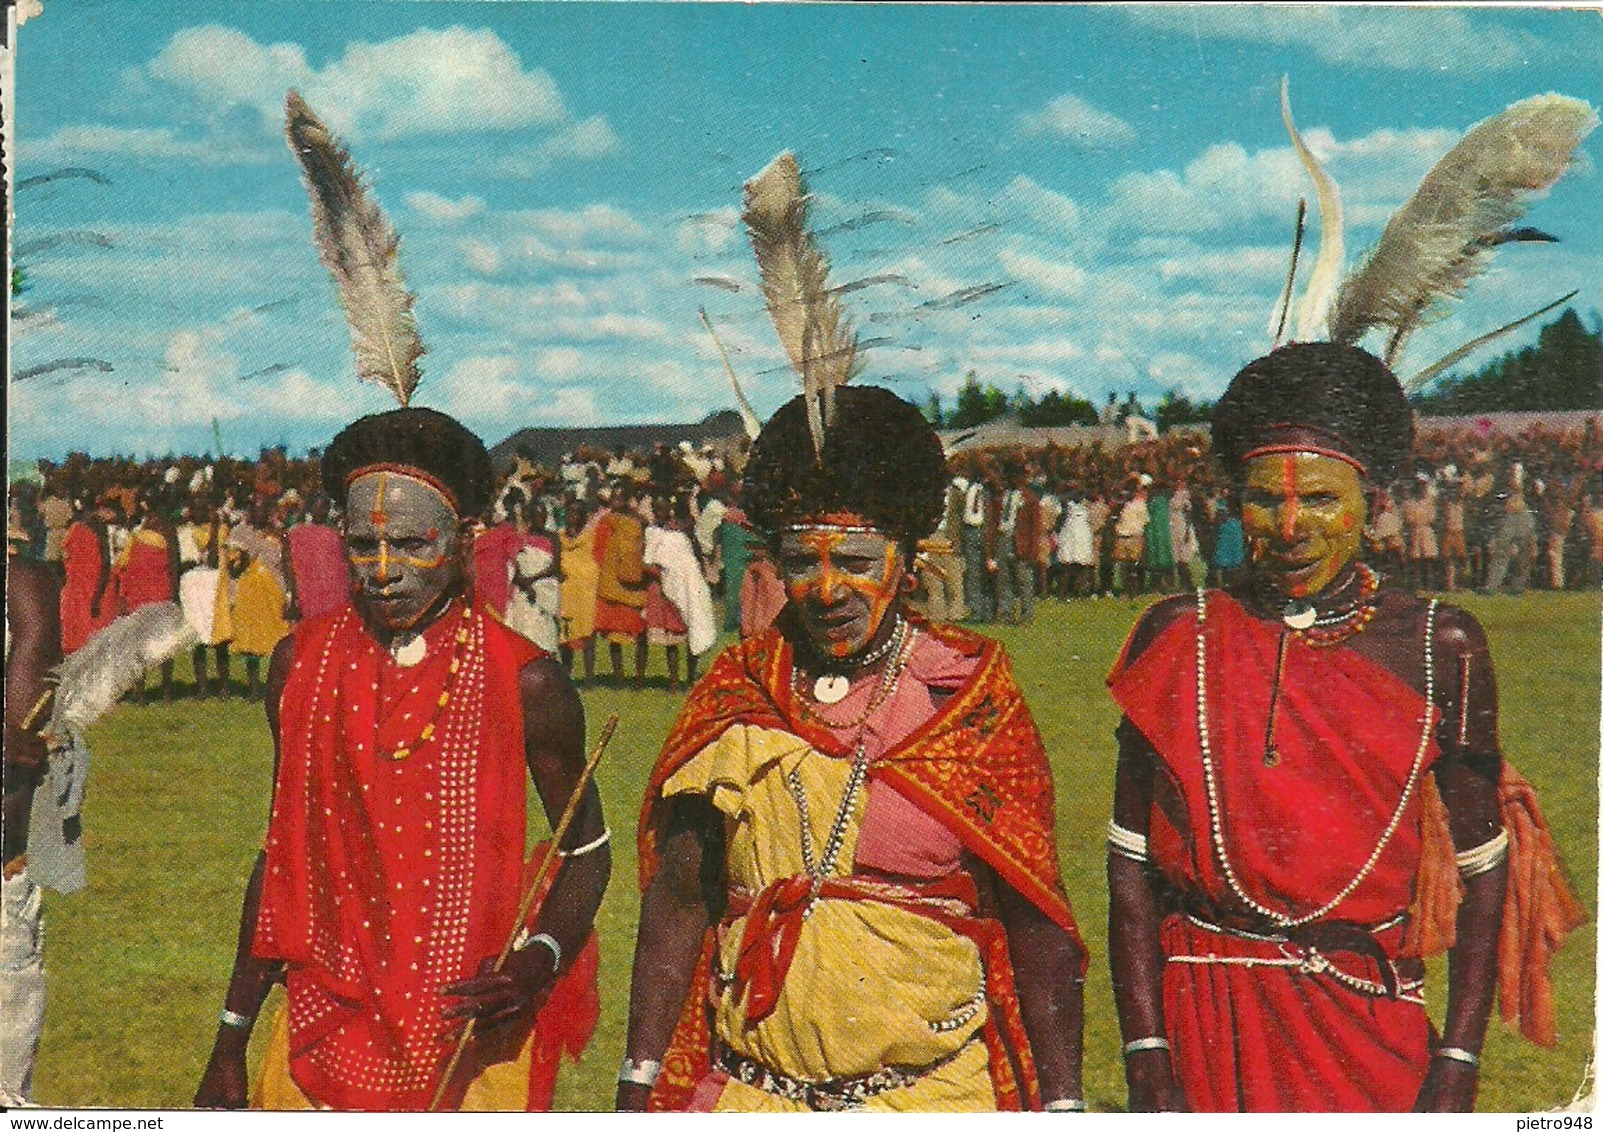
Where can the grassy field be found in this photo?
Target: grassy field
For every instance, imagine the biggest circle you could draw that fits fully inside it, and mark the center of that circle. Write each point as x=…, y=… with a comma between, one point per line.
x=178, y=800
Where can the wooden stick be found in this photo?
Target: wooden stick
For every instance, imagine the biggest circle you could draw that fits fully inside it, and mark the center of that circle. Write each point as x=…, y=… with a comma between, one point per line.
x=526, y=906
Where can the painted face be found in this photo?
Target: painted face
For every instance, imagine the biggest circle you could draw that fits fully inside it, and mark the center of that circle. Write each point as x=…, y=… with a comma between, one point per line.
x=841, y=582
x=402, y=542
x=1303, y=515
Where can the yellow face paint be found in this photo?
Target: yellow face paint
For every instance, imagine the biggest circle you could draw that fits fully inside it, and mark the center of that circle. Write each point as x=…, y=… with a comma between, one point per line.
x=401, y=539
x=1303, y=515
x=843, y=581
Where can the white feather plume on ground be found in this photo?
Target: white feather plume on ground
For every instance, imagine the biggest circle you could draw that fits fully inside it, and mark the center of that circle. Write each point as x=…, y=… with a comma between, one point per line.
x=112, y=662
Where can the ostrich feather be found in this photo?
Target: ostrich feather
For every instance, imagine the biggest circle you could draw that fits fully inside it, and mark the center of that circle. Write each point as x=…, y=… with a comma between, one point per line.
x=748, y=416
x=812, y=327
x=1328, y=264
x=1442, y=238
x=1417, y=382
x=111, y=662
x=358, y=246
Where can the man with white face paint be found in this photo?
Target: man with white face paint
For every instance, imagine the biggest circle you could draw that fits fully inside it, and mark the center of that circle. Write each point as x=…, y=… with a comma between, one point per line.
x=405, y=726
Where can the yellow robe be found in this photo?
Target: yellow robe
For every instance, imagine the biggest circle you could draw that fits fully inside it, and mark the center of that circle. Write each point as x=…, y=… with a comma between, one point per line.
x=580, y=576
x=870, y=981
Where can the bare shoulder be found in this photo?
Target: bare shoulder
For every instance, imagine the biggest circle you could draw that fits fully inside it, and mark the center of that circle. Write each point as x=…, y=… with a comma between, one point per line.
x=31, y=590
x=544, y=682
x=1457, y=631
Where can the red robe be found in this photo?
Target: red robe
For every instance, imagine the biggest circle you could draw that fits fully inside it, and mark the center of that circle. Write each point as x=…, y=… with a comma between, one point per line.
x=1260, y=1034
x=977, y=766
x=146, y=577
x=80, y=551
x=389, y=878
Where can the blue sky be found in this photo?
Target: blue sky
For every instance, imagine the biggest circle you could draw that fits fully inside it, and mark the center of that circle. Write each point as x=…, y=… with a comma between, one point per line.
x=1090, y=199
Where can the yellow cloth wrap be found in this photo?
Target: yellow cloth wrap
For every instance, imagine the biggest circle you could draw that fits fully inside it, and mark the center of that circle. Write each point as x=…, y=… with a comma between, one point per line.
x=258, y=620
x=501, y=1087
x=580, y=576
x=868, y=979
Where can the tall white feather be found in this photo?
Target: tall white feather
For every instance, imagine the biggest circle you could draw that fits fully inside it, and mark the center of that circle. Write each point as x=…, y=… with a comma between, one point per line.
x=1443, y=237
x=812, y=327
x=359, y=247
x=1328, y=264
x=111, y=662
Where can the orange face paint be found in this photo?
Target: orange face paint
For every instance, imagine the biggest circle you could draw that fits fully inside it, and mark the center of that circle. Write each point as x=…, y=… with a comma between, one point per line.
x=843, y=580
x=1302, y=514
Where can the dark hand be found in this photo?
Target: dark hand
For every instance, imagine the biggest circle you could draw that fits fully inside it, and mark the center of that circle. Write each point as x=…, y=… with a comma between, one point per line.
x=631, y=1098
x=223, y=1083
x=493, y=997
x=1153, y=1088
x=1449, y=1087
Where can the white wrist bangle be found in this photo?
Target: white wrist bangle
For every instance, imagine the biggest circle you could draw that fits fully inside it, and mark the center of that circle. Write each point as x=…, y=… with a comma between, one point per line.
x=1456, y=1053
x=526, y=941
x=1141, y=1045
x=1067, y=1104
x=587, y=847
x=1127, y=843
x=643, y=1072
x=235, y=1020
x=1483, y=858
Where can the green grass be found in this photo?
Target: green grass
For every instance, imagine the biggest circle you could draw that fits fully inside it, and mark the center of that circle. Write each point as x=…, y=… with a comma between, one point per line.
x=178, y=799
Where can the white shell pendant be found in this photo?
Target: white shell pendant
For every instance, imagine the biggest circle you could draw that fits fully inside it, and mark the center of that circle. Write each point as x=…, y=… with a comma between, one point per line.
x=1299, y=615
x=412, y=653
x=831, y=689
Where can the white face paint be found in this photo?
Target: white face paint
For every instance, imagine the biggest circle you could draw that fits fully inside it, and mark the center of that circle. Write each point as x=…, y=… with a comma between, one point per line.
x=403, y=542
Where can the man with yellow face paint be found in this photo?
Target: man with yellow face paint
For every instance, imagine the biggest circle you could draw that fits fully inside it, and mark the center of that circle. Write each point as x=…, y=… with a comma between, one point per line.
x=1308, y=778
x=407, y=727
x=851, y=896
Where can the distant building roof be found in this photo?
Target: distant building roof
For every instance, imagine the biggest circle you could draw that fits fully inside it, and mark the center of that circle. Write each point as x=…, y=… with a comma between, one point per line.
x=547, y=446
x=1509, y=423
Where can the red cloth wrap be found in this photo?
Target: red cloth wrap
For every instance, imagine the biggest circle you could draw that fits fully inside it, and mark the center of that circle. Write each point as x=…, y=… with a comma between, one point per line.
x=1348, y=733
x=387, y=880
x=977, y=766
x=146, y=577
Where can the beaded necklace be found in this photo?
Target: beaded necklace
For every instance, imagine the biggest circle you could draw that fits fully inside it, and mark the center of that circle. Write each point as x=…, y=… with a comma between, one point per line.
x=1216, y=820
x=820, y=868
x=467, y=634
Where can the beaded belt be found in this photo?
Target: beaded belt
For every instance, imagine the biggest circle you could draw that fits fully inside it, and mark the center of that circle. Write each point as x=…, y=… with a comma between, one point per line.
x=1309, y=952
x=837, y=1094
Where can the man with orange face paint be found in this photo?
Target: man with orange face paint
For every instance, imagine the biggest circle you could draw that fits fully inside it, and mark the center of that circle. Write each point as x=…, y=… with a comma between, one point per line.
x=852, y=897
x=406, y=728
x=1310, y=797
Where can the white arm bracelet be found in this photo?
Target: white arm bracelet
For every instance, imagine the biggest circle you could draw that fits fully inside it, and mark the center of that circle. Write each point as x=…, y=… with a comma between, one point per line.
x=643, y=1072
x=526, y=941
x=587, y=847
x=1067, y=1104
x=1127, y=842
x=1483, y=858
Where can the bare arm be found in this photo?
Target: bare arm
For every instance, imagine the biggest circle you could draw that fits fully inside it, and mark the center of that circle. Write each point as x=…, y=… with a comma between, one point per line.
x=677, y=909
x=224, y=1081
x=33, y=614
x=1046, y=968
x=553, y=734
x=1467, y=776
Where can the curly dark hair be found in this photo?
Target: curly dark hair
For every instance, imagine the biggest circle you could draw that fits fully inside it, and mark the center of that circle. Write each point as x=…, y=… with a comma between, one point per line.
x=1337, y=396
x=881, y=460
x=436, y=444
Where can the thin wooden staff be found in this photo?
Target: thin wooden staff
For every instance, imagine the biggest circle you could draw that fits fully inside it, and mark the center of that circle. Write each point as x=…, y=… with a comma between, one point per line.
x=526, y=906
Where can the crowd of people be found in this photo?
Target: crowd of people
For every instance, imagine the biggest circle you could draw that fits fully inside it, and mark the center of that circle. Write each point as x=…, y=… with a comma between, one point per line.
x=637, y=550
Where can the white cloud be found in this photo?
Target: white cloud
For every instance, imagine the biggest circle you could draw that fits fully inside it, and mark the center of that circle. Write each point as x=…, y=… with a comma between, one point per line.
x=589, y=140
x=482, y=257
x=161, y=142
x=1052, y=276
x=436, y=207
x=446, y=80
x=1381, y=38
x=709, y=233
x=1073, y=119
x=595, y=223
x=1046, y=207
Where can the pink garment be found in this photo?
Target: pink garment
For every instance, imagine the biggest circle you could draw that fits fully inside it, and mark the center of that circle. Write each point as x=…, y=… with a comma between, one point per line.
x=762, y=596
x=897, y=837
x=317, y=555
x=493, y=552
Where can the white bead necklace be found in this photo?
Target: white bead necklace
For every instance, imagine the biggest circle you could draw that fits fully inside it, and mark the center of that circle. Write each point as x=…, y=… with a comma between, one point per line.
x=1214, y=816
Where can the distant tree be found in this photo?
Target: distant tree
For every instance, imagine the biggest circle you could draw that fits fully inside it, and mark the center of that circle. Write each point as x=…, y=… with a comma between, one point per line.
x=1057, y=410
x=19, y=282
x=932, y=411
x=1562, y=370
x=1175, y=408
x=977, y=404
